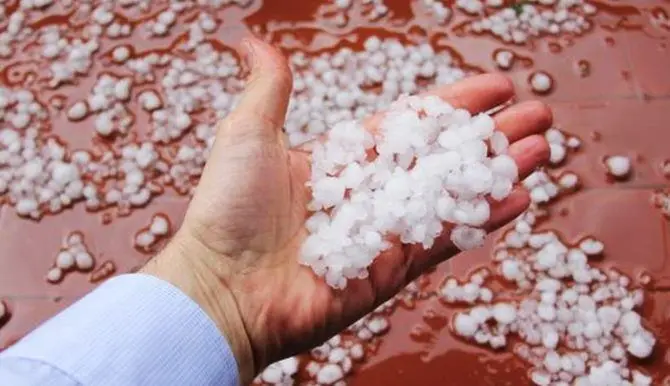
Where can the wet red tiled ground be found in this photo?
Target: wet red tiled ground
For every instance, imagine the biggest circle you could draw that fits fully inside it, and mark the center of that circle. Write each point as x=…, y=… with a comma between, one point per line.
x=624, y=102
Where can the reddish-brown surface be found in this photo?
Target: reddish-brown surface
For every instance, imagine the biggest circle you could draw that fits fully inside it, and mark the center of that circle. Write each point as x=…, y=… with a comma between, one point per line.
x=620, y=105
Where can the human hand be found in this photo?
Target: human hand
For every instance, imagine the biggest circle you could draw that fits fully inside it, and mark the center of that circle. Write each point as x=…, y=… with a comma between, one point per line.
x=236, y=253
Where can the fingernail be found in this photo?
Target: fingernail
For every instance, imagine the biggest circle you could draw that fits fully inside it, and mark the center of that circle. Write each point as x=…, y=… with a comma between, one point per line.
x=249, y=53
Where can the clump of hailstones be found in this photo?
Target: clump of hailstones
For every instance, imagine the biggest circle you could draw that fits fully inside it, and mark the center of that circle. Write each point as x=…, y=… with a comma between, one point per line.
x=427, y=164
x=73, y=256
x=575, y=323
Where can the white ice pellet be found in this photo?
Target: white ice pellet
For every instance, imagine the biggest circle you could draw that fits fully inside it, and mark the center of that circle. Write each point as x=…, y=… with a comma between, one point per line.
x=74, y=239
x=498, y=341
x=272, y=374
x=554, y=136
x=557, y=153
x=378, y=325
x=573, y=143
x=77, y=111
x=470, y=6
x=546, y=312
x=140, y=198
x=65, y=260
x=329, y=374
x=618, y=166
x=539, y=195
x=480, y=314
x=504, y=313
x=640, y=379
x=641, y=344
x=504, y=59
x=84, y=261
x=167, y=17
x=159, y=226
x=54, y=275
x=550, y=339
x=328, y=191
x=541, y=82
x=465, y=237
x=540, y=378
x=552, y=362
x=568, y=180
x=591, y=246
x=159, y=29
x=102, y=16
x=26, y=206
x=505, y=167
x=103, y=124
x=289, y=365
x=120, y=54
x=465, y=325
x=145, y=239
x=499, y=143
x=485, y=295
x=337, y=355
x=122, y=89
x=510, y=269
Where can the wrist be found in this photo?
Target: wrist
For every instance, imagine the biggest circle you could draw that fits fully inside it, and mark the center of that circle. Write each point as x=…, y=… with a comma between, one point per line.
x=186, y=264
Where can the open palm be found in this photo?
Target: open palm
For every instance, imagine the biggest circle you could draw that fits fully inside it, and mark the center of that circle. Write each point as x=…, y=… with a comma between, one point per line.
x=249, y=211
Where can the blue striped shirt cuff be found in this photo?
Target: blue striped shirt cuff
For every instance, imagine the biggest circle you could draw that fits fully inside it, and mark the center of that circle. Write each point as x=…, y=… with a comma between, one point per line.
x=132, y=330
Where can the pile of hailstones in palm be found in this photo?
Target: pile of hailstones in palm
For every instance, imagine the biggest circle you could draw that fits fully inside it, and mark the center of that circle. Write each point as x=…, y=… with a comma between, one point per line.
x=426, y=164
x=576, y=324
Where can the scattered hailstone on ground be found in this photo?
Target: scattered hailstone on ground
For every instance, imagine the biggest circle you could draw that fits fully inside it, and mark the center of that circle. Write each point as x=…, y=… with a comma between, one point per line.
x=67, y=58
x=73, y=256
x=37, y=179
x=542, y=186
x=207, y=80
x=568, y=180
x=136, y=161
x=346, y=85
x=77, y=111
x=524, y=21
x=158, y=229
x=568, y=303
x=661, y=199
x=559, y=145
x=432, y=166
x=471, y=6
x=438, y=9
x=121, y=54
x=504, y=59
x=541, y=82
x=108, y=102
x=576, y=323
x=618, y=166
x=471, y=292
x=343, y=4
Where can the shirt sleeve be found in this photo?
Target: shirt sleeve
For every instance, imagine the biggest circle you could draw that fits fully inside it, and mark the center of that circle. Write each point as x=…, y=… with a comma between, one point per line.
x=132, y=330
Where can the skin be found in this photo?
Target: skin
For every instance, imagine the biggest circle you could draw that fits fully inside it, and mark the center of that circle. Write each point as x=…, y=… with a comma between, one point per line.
x=236, y=253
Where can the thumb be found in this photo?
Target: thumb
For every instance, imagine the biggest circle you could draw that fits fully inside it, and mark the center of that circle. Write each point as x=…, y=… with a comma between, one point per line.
x=262, y=109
